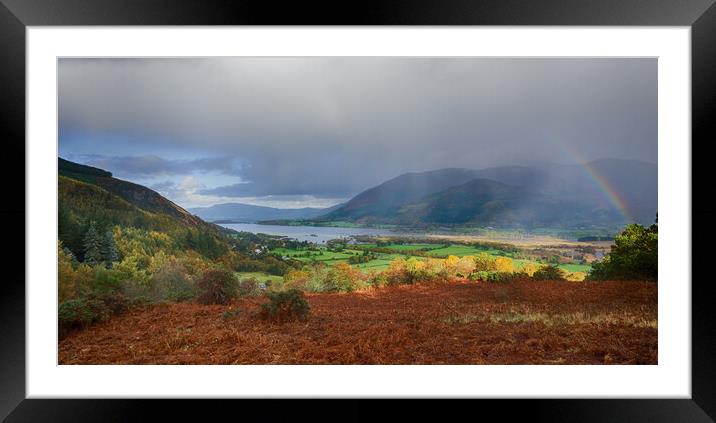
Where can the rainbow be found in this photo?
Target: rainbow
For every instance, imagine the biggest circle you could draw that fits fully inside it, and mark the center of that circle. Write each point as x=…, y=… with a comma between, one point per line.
x=610, y=193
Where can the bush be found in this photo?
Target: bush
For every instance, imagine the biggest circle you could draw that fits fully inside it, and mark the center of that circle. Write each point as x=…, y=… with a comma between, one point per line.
x=504, y=264
x=377, y=279
x=285, y=306
x=171, y=283
x=484, y=262
x=343, y=278
x=110, y=303
x=576, y=276
x=297, y=279
x=397, y=273
x=465, y=266
x=316, y=281
x=217, y=286
x=549, y=272
x=497, y=277
x=530, y=269
x=80, y=313
x=75, y=313
x=249, y=288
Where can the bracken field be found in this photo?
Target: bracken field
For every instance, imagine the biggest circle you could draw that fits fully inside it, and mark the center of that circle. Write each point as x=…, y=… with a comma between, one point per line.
x=462, y=322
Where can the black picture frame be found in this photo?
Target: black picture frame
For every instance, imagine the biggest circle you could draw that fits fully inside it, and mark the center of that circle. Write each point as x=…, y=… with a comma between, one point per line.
x=16, y=15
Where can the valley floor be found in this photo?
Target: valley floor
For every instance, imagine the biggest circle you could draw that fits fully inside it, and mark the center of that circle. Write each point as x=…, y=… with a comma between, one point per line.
x=457, y=323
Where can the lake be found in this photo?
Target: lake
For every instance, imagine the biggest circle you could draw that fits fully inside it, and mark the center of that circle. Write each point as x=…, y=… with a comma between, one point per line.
x=315, y=234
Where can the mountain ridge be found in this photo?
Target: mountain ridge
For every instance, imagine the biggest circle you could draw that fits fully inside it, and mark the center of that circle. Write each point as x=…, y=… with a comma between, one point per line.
x=249, y=213
x=604, y=191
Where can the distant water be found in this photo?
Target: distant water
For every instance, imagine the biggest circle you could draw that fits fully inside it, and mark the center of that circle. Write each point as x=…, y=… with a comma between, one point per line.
x=315, y=234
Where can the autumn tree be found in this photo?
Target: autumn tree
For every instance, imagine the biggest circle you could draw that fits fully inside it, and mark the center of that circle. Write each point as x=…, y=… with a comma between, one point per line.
x=634, y=255
x=530, y=268
x=504, y=264
x=549, y=272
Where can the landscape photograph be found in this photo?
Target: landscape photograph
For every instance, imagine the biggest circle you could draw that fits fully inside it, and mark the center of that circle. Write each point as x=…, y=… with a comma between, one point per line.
x=357, y=210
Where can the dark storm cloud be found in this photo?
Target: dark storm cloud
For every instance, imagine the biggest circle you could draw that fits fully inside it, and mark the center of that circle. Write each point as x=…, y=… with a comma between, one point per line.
x=335, y=126
x=152, y=165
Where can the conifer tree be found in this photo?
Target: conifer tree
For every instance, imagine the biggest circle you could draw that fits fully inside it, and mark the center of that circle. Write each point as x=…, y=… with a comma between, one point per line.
x=109, y=250
x=93, y=246
x=70, y=255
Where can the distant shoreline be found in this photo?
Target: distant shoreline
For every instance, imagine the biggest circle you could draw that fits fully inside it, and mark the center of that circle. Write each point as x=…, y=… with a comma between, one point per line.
x=569, y=234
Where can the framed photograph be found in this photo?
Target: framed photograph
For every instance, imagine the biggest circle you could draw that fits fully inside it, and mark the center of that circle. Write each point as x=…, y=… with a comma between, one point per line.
x=432, y=202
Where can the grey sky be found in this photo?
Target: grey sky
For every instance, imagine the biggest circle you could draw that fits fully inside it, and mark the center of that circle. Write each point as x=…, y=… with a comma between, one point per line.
x=294, y=132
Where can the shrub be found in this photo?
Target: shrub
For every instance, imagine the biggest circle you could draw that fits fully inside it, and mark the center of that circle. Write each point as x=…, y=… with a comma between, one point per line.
x=465, y=266
x=285, y=306
x=316, y=281
x=80, y=313
x=397, y=273
x=249, y=288
x=228, y=314
x=75, y=313
x=450, y=265
x=496, y=277
x=504, y=264
x=484, y=262
x=576, y=276
x=343, y=278
x=530, y=269
x=377, y=279
x=418, y=270
x=109, y=303
x=296, y=279
x=171, y=283
x=106, y=280
x=549, y=272
x=410, y=271
x=73, y=280
x=216, y=286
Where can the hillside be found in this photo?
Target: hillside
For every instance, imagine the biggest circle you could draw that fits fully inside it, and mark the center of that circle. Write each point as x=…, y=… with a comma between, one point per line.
x=481, y=200
x=608, y=191
x=247, y=213
x=90, y=196
x=383, y=201
x=137, y=195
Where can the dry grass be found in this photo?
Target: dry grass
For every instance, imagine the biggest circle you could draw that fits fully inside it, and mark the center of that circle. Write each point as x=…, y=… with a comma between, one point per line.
x=578, y=318
x=457, y=323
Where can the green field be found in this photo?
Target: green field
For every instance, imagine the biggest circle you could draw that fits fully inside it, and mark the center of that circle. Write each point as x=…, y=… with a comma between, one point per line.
x=576, y=267
x=402, y=247
x=383, y=259
x=322, y=255
x=463, y=250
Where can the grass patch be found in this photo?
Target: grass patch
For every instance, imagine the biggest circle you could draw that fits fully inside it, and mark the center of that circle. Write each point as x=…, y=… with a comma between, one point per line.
x=260, y=277
x=577, y=318
x=575, y=267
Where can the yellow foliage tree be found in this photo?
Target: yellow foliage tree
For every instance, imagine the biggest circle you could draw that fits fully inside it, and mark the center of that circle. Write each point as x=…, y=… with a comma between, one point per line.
x=296, y=279
x=71, y=281
x=530, y=268
x=576, y=276
x=65, y=276
x=504, y=264
x=465, y=266
x=343, y=277
x=484, y=262
x=414, y=265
